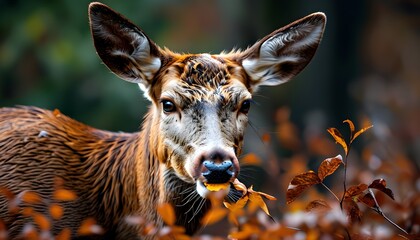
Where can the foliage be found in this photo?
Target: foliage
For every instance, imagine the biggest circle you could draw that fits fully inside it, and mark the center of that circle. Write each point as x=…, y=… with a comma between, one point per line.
x=344, y=217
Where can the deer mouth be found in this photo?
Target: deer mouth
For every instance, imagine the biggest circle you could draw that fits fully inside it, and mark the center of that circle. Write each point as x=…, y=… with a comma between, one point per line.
x=204, y=189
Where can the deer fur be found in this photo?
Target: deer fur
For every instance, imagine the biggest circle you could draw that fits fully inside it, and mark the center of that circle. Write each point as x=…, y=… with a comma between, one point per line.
x=199, y=106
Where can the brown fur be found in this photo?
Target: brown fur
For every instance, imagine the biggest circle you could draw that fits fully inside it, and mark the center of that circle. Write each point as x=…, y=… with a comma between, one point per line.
x=116, y=175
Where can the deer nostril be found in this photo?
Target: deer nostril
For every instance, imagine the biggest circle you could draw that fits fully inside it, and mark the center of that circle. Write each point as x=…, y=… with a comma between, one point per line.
x=218, y=172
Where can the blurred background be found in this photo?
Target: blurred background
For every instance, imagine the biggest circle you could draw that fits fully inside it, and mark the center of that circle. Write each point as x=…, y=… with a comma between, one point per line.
x=366, y=69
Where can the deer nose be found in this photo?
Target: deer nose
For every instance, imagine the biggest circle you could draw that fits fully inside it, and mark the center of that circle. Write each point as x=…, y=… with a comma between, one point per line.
x=218, y=172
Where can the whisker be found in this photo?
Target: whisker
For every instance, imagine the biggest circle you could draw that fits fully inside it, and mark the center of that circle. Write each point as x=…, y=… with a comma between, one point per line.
x=200, y=206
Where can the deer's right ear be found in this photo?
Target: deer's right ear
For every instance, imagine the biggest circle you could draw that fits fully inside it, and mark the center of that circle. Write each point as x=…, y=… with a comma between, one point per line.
x=123, y=47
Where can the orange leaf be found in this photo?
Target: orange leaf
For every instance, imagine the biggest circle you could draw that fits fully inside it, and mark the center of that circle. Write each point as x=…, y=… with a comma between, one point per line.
x=42, y=221
x=353, y=191
x=251, y=159
x=214, y=215
x=64, y=195
x=89, y=227
x=351, y=125
x=31, y=197
x=56, y=211
x=338, y=137
x=353, y=211
x=7, y=193
x=166, y=211
x=214, y=187
x=239, y=186
x=65, y=234
x=256, y=198
x=266, y=138
x=317, y=205
x=328, y=166
x=299, y=184
x=360, y=132
x=238, y=205
x=380, y=184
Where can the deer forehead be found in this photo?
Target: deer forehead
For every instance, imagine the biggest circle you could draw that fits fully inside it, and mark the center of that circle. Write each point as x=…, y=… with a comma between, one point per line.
x=204, y=78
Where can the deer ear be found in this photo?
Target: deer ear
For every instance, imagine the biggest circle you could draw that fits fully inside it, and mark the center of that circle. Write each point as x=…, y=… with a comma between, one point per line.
x=284, y=53
x=123, y=47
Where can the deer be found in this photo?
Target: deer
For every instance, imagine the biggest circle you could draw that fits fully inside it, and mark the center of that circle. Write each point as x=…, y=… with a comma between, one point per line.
x=191, y=135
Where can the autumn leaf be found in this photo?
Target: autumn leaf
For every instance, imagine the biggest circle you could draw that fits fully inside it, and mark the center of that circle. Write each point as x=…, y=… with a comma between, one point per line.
x=353, y=211
x=360, y=132
x=248, y=195
x=354, y=191
x=256, y=198
x=31, y=197
x=317, y=205
x=300, y=183
x=214, y=215
x=238, y=205
x=351, y=126
x=328, y=166
x=368, y=200
x=64, y=195
x=214, y=187
x=245, y=233
x=56, y=211
x=89, y=227
x=380, y=184
x=251, y=159
x=166, y=211
x=338, y=137
x=42, y=221
x=65, y=234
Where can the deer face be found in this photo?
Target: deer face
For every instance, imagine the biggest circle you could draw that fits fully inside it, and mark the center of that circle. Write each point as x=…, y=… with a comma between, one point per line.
x=200, y=101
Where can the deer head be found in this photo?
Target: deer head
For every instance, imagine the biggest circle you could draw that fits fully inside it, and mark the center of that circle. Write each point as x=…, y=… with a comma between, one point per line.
x=200, y=102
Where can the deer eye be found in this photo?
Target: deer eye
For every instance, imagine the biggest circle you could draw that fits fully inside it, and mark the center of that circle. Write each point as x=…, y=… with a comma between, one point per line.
x=168, y=106
x=245, y=106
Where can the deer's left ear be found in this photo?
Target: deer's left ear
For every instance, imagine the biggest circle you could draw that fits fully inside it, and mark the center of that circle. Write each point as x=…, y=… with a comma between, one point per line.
x=284, y=53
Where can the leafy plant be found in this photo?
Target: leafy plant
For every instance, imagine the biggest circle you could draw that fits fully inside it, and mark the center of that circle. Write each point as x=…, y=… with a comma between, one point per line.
x=352, y=195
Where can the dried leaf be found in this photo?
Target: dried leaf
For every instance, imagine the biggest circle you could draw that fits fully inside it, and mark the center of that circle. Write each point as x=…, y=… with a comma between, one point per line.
x=246, y=232
x=214, y=187
x=167, y=212
x=299, y=184
x=65, y=234
x=56, y=211
x=64, y=195
x=368, y=200
x=380, y=184
x=7, y=193
x=354, y=191
x=214, y=215
x=251, y=159
x=338, y=137
x=351, y=126
x=149, y=229
x=238, y=205
x=89, y=227
x=360, y=132
x=57, y=112
x=329, y=166
x=353, y=211
x=317, y=205
x=240, y=186
x=256, y=198
x=42, y=221
x=31, y=197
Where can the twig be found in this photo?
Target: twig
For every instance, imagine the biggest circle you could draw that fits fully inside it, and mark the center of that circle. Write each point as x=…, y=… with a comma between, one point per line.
x=329, y=190
x=378, y=209
x=345, y=177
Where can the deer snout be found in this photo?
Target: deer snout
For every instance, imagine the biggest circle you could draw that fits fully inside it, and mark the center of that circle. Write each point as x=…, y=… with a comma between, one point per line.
x=219, y=167
x=218, y=172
